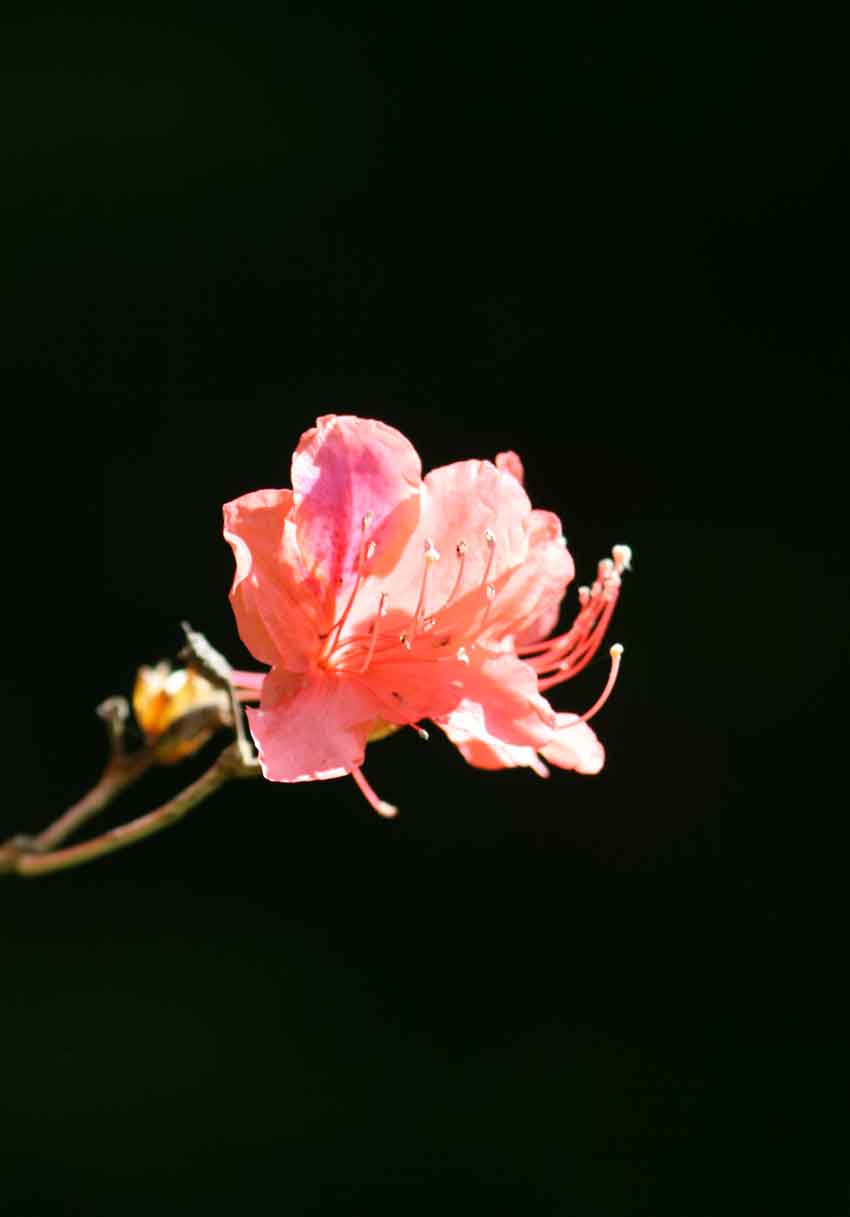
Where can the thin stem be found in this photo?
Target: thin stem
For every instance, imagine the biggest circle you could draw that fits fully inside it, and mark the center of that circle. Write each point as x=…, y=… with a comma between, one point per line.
x=118, y=775
x=229, y=764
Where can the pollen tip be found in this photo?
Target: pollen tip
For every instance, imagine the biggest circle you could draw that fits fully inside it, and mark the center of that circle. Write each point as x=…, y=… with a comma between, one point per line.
x=387, y=810
x=461, y=548
x=616, y=650
x=432, y=554
x=367, y=519
x=370, y=550
x=489, y=536
x=622, y=555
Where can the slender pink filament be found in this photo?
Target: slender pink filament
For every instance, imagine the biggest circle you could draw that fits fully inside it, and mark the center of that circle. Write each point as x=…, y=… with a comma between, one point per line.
x=383, y=809
x=616, y=653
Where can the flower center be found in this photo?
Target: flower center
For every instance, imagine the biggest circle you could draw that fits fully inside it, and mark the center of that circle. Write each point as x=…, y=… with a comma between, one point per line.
x=359, y=651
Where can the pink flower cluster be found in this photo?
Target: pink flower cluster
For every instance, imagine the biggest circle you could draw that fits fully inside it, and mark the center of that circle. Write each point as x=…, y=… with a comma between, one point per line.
x=379, y=598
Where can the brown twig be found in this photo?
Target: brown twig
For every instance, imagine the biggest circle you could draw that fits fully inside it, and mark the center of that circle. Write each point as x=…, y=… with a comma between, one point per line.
x=18, y=860
x=39, y=855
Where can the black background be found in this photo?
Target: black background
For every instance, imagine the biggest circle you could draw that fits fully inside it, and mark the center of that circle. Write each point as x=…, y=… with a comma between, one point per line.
x=615, y=242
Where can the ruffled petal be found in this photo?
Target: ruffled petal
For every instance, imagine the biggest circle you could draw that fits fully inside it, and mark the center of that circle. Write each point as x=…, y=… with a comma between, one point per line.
x=532, y=596
x=312, y=727
x=575, y=747
x=463, y=502
x=511, y=708
x=275, y=612
x=346, y=470
x=509, y=462
x=466, y=729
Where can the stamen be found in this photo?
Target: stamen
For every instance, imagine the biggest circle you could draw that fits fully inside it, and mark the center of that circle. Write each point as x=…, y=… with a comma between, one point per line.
x=490, y=538
x=366, y=552
x=622, y=556
x=460, y=550
x=432, y=554
x=616, y=654
x=420, y=731
x=490, y=594
x=382, y=608
x=382, y=808
x=462, y=655
x=575, y=651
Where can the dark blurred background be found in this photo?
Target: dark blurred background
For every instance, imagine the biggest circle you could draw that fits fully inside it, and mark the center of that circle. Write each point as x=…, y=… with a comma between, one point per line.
x=615, y=242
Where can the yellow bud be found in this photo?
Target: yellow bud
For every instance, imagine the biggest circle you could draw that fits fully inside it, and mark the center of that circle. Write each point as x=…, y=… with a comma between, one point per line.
x=161, y=696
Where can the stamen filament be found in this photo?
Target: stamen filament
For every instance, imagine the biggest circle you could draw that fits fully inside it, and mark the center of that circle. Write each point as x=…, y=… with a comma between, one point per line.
x=374, y=632
x=383, y=809
x=431, y=555
x=363, y=556
x=616, y=654
x=460, y=550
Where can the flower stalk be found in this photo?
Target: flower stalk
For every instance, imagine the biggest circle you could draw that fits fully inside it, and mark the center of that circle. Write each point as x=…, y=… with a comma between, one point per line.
x=190, y=728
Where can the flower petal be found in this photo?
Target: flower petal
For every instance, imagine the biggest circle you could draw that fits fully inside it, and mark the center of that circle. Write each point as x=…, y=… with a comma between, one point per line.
x=532, y=596
x=311, y=727
x=275, y=613
x=509, y=462
x=505, y=688
x=575, y=747
x=463, y=502
x=466, y=729
x=346, y=470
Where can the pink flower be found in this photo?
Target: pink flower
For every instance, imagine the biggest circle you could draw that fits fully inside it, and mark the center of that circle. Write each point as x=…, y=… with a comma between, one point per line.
x=379, y=598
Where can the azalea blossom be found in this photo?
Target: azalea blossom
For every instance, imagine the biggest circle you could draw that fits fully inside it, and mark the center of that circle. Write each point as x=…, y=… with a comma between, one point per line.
x=378, y=599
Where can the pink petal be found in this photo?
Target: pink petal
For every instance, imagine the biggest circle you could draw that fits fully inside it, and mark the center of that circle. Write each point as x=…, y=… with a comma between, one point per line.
x=505, y=689
x=462, y=503
x=509, y=462
x=346, y=470
x=275, y=614
x=312, y=727
x=530, y=599
x=466, y=729
x=575, y=747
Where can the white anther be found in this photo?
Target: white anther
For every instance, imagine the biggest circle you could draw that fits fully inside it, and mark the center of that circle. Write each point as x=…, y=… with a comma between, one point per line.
x=605, y=568
x=616, y=650
x=370, y=550
x=461, y=548
x=405, y=641
x=489, y=537
x=421, y=732
x=428, y=624
x=622, y=556
x=490, y=591
x=432, y=554
x=583, y=595
x=462, y=655
x=367, y=520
